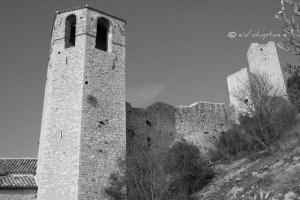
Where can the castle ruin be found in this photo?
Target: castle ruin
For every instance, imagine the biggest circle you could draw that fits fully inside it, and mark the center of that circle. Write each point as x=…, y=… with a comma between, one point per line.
x=263, y=61
x=87, y=124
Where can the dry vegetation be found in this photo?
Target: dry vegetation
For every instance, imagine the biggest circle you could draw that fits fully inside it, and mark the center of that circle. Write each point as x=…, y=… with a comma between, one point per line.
x=262, y=151
x=264, y=117
x=174, y=175
x=255, y=154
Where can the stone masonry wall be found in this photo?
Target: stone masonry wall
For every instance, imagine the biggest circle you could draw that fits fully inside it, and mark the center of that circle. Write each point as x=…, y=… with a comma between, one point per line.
x=263, y=59
x=58, y=158
x=103, y=138
x=201, y=120
x=159, y=125
x=85, y=117
x=83, y=125
x=18, y=194
x=237, y=82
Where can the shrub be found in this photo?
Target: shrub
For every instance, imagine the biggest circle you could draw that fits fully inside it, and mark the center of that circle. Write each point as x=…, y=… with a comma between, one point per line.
x=269, y=121
x=187, y=167
x=231, y=143
x=175, y=175
x=293, y=89
x=144, y=177
x=266, y=113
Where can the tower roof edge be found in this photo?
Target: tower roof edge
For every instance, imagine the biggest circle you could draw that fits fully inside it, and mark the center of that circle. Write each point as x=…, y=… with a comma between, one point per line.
x=90, y=8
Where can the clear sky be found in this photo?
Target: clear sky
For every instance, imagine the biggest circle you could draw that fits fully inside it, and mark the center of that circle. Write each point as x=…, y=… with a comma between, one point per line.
x=177, y=51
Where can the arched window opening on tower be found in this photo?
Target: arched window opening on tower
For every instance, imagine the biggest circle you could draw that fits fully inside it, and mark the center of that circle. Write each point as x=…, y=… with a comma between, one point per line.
x=103, y=36
x=70, y=34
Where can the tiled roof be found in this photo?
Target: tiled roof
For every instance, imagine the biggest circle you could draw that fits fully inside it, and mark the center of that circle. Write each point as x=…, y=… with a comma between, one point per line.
x=17, y=166
x=17, y=173
x=17, y=181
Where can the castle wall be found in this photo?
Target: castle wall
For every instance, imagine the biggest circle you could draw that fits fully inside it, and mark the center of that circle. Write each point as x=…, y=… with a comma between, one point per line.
x=85, y=117
x=201, y=120
x=263, y=59
x=237, y=82
x=159, y=125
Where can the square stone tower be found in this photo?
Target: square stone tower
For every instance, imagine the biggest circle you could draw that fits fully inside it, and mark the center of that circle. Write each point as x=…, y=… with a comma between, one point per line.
x=263, y=59
x=237, y=82
x=83, y=130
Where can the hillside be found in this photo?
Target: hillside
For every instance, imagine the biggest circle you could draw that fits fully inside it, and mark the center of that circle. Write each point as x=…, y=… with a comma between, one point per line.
x=259, y=176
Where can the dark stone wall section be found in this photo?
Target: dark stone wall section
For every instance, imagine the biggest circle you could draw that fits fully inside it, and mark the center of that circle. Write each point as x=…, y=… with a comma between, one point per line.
x=159, y=125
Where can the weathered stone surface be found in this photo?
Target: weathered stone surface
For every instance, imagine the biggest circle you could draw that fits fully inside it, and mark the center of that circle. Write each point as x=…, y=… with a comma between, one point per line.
x=236, y=82
x=235, y=192
x=290, y=196
x=83, y=125
x=159, y=125
x=85, y=120
x=18, y=194
x=263, y=60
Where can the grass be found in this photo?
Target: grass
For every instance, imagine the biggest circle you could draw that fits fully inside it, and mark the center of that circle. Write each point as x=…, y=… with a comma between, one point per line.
x=289, y=140
x=285, y=179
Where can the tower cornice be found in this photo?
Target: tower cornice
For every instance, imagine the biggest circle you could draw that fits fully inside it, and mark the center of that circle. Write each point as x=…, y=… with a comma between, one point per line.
x=90, y=8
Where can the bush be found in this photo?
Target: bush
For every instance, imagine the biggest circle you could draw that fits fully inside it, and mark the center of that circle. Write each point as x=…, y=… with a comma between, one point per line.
x=186, y=165
x=231, y=143
x=268, y=122
x=143, y=178
x=266, y=113
x=175, y=175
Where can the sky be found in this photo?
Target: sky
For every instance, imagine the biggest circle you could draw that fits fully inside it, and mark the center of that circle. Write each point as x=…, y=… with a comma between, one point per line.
x=178, y=52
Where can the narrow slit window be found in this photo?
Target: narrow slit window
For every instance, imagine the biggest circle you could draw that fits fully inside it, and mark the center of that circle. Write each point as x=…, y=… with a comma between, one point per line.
x=102, y=34
x=70, y=34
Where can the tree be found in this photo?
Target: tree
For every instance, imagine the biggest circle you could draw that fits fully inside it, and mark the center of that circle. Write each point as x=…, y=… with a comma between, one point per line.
x=291, y=29
x=265, y=114
x=171, y=176
x=189, y=171
x=293, y=84
x=144, y=177
x=291, y=43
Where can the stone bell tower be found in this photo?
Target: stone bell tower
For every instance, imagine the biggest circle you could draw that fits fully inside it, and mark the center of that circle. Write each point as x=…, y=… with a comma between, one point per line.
x=83, y=130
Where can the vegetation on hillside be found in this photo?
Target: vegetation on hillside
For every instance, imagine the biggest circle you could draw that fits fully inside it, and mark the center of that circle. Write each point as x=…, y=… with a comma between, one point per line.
x=174, y=175
x=291, y=43
x=264, y=116
x=266, y=124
